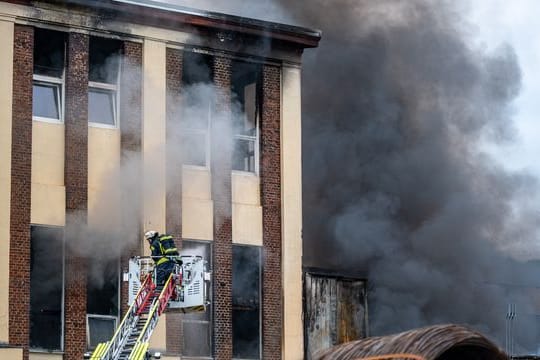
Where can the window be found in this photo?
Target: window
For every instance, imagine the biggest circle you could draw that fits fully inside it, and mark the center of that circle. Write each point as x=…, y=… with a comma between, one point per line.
x=103, y=78
x=102, y=299
x=197, y=328
x=46, y=287
x=48, y=84
x=246, y=102
x=246, y=295
x=197, y=98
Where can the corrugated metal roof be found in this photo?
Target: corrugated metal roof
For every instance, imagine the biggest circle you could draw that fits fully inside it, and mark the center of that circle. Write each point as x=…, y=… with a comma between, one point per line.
x=447, y=342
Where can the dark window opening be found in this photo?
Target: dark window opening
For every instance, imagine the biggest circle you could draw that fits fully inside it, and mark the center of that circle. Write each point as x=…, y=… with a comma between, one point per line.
x=48, y=85
x=102, y=300
x=197, y=99
x=197, y=68
x=246, y=90
x=246, y=295
x=197, y=329
x=46, y=287
x=104, y=60
x=49, y=53
x=103, y=71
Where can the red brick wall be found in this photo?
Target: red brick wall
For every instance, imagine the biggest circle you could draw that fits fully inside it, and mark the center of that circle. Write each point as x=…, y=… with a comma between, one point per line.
x=131, y=156
x=174, y=181
x=270, y=172
x=21, y=167
x=76, y=182
x=222, y=198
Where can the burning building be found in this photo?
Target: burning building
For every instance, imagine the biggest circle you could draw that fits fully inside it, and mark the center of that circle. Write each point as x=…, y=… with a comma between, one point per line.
x=123, y=116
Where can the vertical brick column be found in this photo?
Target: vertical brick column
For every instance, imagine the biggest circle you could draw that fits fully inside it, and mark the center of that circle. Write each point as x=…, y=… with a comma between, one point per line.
x=21, y=168
x=174, y=181
x=131, y=155
x=221, y=150
x=76, y=181
x=270, y=173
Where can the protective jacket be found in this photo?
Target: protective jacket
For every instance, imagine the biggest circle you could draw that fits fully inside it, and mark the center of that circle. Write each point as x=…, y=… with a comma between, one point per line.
x=161, y=247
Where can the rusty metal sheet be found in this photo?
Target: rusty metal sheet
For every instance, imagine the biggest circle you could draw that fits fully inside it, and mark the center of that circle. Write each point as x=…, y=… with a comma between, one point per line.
x=335, y=311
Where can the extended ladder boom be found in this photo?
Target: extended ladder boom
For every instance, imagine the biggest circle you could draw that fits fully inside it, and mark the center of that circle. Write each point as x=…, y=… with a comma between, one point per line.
x=184, y=290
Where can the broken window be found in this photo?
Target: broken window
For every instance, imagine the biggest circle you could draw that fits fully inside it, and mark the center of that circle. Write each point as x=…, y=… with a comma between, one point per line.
x=46, y=287
x=102, y=300
x=48, y=79
x=246, y=296
x=246, y=103
x=103, y=78
x=197, y=329
x=197, y=97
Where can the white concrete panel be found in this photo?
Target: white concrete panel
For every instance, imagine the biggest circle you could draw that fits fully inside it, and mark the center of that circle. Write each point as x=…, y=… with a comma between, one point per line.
x=153, y=137
x=291, y=213
x=48, y=204
x=197, y=219
x=45, y=356
x=246, y=188
x=196, y=183
x=6, y=93
x=247, y=224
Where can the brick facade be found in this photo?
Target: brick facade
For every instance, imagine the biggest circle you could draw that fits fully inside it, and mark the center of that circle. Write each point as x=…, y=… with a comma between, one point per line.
x=174, y=181
x=270, y=174
x=76, y=182
x=222, y=198
x=21, y=168
x=131, y=155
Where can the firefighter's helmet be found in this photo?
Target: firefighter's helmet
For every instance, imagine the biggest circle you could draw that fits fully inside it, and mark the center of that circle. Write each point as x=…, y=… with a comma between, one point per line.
x=150, y=234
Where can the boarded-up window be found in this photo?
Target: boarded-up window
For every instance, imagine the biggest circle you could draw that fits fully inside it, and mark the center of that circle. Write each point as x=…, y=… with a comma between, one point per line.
x=334, y=311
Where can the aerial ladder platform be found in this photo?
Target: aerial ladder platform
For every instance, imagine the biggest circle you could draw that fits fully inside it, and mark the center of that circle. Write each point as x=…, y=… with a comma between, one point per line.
x=186, y=290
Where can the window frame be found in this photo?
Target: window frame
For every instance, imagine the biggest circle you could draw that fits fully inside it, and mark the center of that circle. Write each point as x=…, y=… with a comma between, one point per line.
x=207, y=133
x=256, y=141
x=114, y=89
x=59, y=83
x=97, y=316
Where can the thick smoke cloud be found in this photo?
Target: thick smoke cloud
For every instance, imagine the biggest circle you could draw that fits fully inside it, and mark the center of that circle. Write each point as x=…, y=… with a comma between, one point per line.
x=398, y=105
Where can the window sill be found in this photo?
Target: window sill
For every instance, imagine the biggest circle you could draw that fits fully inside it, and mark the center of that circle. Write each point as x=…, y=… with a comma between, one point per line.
x=43, y=351
x=102, y=126
x=47, y=120
x=244, y=173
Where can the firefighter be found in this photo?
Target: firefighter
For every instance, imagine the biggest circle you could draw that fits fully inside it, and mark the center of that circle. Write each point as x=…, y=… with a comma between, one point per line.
x=164, y=254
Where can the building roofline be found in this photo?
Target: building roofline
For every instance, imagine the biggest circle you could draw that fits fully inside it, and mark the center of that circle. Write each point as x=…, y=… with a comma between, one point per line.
x=169, y=15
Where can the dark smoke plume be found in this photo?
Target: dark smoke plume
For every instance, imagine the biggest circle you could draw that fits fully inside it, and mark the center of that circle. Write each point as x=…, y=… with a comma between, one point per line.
x=398, y=105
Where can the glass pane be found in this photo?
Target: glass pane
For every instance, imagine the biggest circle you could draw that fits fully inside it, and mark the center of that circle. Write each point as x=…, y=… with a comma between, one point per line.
x=193, y=147
x=244, y=155
x=101, y=106
x=246, y=279
x=46, y=282
x=101, y=330
x=45, y=101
